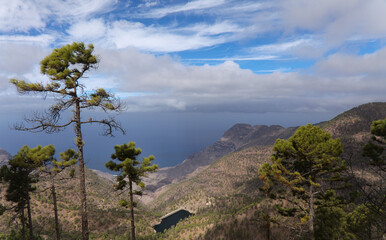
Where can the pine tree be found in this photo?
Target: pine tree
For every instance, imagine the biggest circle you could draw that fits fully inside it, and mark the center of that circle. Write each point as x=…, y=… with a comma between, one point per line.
x=20, y=178
x=66, y=67
x=131, y=170
x=302, y=164
x=44, y=158
x=371, y=214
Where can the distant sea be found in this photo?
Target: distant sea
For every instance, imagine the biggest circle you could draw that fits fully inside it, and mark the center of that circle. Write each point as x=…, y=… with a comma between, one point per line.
x=171, y=137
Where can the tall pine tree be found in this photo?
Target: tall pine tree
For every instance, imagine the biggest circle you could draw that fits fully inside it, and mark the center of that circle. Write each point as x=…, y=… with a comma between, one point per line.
x=301, y=165
x=48, y=165
x=20, y=176
x=131, y=170
x=66, y=68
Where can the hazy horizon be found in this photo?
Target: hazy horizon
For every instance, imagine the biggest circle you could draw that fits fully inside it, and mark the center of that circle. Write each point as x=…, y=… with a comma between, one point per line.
x=171, y=137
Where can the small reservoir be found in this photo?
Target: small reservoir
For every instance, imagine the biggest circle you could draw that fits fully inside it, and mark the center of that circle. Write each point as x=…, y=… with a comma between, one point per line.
x=171, y=219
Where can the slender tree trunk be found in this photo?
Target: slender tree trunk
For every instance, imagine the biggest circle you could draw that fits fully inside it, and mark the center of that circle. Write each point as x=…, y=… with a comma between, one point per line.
x=53, y=191
x=312, y=213
x=268, y=227
x=31, y=235
x=22, y=219
x=132, y=211
x=79, y=143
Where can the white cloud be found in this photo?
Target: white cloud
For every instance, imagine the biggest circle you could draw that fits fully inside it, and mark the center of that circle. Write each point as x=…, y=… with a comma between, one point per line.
x=167, y=84
x=19, y=15
x=87, y=30
x=17, y=59
x=150, y=83
x=24, y=15
x=347, y=65
x=73, y=10
x=189, y=6
x=308, y=47
x=336, y=20
x=124, y=34
x=282, y=47
x=203, y=29
x=121, y=34
x=42, y=40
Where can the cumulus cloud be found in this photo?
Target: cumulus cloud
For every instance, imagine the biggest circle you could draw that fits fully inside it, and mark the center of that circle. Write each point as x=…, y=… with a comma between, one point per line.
x=87, y=30
x=18, y=59
x=340, y=64
x=336, y=20
x=155, y=83
x=122, y=34
x=22, y=16
x=164, y=83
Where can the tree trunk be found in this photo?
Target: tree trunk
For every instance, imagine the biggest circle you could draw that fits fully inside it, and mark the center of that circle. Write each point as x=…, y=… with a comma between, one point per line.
x=311, y=214
x=22, y=219
x=31, y=235
x=57, y=230
x=79, y=144
x=132, y=211
x=268, y=228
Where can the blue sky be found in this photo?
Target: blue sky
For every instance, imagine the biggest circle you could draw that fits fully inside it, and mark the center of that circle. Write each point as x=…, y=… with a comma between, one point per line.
x=269, y=60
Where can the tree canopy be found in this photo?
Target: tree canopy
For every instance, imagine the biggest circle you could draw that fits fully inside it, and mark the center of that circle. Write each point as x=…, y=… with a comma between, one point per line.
x=302, y=164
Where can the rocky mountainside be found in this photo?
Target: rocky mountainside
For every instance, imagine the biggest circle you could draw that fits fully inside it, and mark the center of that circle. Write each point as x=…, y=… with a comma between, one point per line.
x=239, y=137
x=352, y=127
x=225, y=195
x=238, y=144
x=4, y=157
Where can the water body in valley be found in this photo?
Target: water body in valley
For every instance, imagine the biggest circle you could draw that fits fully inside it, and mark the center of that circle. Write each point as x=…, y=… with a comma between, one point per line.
x=171, y=219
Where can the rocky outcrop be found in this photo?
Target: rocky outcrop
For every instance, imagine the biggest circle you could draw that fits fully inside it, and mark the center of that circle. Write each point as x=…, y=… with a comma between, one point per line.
x=4, y=157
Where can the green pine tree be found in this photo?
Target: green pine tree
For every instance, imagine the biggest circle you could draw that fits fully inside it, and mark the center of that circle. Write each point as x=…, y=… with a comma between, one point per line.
x=302, y=164
x=20, y=176
x=372, y=213
x=48, y=165
x=131, y=170
x=66, y=68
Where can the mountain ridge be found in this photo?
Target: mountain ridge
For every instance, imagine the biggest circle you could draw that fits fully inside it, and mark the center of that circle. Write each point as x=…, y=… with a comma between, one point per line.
x=238, y=137
x=352, y=127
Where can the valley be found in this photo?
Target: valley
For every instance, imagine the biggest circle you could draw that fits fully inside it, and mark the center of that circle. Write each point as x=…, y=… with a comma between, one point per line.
x=220, y=185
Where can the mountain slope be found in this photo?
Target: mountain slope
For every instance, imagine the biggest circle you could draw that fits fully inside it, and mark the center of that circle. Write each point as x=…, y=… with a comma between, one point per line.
x=106, y=217
x=239, y=137
x=353, y=128
x=225, y=195
x=4, y=157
